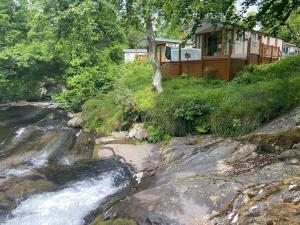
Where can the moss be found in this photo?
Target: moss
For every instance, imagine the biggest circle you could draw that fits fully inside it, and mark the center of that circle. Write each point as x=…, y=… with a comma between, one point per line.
x=176, y=164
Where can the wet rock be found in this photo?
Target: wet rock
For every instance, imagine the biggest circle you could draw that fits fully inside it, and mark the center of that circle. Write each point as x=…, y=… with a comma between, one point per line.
x=289, y=154
x=296, y=146
x=294, y=187
x=76, y=122
x=29, y=187
x=282, y=123
x=266, y=148
x=138, y=132
x=82, y=148
x=47, y=104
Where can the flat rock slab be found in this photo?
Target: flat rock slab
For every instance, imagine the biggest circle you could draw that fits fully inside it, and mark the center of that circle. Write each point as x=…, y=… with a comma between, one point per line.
x=187, y=201
x=35, y=104
x=141, y=157
x=200, y=181
x=282, y=123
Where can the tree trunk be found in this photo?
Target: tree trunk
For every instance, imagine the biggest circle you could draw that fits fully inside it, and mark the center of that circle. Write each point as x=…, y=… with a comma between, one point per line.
x=156, y=77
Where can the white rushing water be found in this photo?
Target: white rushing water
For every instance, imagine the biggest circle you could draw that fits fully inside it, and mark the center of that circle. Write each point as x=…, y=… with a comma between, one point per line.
x=20, y=131
x=67, y=206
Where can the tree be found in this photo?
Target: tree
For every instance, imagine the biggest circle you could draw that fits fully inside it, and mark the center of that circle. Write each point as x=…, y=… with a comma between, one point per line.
x=12, y=22
x=149, y=12
x=271, y=14
x=70, y=41
x=191, y=13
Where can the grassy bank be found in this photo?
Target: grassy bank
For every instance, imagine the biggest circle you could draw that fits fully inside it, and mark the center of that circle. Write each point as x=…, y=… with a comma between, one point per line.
x=198, y=105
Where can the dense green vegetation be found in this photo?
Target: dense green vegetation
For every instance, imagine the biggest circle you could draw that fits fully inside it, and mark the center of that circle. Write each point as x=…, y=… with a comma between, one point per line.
x=198, y=105
x=76, y=43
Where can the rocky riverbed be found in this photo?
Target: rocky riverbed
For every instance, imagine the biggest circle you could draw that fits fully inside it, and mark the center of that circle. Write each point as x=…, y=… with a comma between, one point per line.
x=47, y=174
x=53, y=174
x=253, y=179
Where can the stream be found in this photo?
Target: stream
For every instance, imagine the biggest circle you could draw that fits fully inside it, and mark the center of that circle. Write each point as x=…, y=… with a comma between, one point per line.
x=47, y=175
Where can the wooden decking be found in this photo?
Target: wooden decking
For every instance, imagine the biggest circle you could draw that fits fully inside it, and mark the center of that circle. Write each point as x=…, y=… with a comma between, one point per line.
x=224, y=66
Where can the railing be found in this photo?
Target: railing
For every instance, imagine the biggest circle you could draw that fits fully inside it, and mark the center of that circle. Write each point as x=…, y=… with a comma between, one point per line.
x=271, y=51
x=185, y=54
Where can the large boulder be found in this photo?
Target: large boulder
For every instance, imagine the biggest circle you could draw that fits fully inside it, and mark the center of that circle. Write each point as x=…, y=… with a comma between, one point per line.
x=76, y=121
x=138, y=131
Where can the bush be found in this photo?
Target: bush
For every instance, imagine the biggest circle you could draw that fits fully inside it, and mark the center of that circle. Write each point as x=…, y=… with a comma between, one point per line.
x=201, y=105
x=130, y=97
x=110, y=112
x=86, y=82
x=257, y=95
x=156, y=133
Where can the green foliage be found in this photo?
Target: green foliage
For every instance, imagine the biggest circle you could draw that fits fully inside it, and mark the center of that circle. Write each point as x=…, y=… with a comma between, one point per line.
x=157, y=133
x=201, y=105
x=72, y=42
x=198, y=105
x=84, y=83
x=118, y=109
x=112, y=111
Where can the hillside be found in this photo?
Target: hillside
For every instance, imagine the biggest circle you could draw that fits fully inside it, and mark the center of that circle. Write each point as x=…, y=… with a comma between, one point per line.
x=197, y=105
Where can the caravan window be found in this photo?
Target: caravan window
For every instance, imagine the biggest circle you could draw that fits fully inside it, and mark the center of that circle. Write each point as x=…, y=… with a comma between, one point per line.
x=214, y=43
x=253, y=36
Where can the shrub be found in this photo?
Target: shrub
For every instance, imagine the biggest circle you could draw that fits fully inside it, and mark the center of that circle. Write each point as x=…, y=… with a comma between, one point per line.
x=156, y=133
x=86, y=82
x=200, y=105
x=110, y=112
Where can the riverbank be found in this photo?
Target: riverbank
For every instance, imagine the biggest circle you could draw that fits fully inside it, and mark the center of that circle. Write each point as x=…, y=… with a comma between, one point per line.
x=254, y=179
x=190, y=180
x=196, y=105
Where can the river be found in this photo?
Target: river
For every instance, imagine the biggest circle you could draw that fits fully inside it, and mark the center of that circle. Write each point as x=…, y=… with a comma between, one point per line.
x=47, y=175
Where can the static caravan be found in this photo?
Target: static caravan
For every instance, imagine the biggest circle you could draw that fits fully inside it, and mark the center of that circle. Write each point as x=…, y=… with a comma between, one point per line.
x=290, y=49
x=224, y=49
x=134, y=54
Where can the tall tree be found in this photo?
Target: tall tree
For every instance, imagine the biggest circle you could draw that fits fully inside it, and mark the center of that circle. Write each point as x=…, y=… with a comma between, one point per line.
x=191, y=13
x=271, y=14
x=149, y=12
x=12, y=22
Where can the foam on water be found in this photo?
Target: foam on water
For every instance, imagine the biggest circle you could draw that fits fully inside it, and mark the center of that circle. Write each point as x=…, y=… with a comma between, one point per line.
x=18, y=171
x=20, y=131
x=67, y=206
x=40, y=160
x=65, y=161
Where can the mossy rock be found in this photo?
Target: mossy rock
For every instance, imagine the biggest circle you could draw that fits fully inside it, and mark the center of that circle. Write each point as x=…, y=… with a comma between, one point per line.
x=120, y=221
x=28, y=187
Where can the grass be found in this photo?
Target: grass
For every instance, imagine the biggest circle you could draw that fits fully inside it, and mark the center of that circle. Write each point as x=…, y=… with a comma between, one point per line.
x=200, y=105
